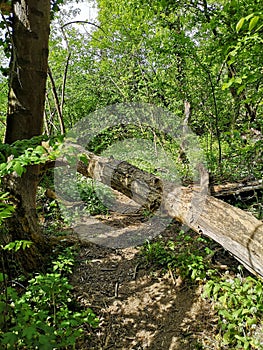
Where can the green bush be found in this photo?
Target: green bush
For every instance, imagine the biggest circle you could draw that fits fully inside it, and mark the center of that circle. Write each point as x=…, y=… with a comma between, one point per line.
x=42, y=317
x=183, y=254
x=239, y=305
x=237, y=300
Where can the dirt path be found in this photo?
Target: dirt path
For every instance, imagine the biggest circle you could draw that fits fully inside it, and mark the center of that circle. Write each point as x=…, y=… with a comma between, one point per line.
x=139, y=308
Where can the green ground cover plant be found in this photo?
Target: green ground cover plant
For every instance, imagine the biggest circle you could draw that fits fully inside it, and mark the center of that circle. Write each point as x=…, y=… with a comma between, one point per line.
x=237, y=299
x=40, y=313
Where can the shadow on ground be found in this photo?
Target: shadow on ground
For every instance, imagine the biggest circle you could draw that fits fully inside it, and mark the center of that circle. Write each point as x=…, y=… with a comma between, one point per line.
x=139, y=308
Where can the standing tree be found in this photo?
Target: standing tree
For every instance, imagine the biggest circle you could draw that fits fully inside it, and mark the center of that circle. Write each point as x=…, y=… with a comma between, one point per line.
x=27, y=81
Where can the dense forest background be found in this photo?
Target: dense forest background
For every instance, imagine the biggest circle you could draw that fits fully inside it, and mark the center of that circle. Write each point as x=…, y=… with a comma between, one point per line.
x=201, y=61
x=207, y=53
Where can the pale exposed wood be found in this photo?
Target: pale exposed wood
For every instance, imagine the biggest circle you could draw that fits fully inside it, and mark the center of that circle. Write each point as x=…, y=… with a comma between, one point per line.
x=237, y=231
x=236, y=188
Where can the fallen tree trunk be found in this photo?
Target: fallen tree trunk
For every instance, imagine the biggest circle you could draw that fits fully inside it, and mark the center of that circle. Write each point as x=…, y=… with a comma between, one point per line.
x=234, y=189
x=237, y=231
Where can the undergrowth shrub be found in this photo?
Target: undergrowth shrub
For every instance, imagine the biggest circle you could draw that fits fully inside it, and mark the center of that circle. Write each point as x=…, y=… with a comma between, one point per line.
x=237, y=300
x=83, y=196
x=42, y=316
x=183, y=255
x=239, y=305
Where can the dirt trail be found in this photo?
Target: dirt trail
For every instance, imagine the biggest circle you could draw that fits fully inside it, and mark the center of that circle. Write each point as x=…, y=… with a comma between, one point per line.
x=139, y=308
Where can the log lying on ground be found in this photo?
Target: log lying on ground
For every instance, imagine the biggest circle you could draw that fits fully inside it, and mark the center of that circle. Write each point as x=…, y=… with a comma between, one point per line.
x=234, y=189
x=237, y=231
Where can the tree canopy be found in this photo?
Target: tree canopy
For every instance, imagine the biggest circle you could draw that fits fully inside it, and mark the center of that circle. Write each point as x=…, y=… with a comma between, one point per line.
x=164, y=53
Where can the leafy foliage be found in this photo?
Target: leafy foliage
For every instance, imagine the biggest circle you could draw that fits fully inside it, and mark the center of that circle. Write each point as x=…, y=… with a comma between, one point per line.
x=187, y=256
x=6, y=210
x=239, y=303
x=238, y=300
x=167, y=53
x=161, y=52
x=42, y=316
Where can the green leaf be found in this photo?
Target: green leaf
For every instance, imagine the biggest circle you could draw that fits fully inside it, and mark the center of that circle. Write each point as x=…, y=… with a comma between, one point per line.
x=227, y=337
x=10, y=339
x=9, y=246
x=45, y=343
x=84, y=158
x=246, y=345
x=251, y=321
x=227, y=84
x=253, y=22
x=16, y=245
x=40, y=150
x=2, y=278
x=26, y=244
x=236, y=313
x=28, y=332
x=226, y=314
x=18, y=168
x=240, y=24
x=249, y=16
x=6, y=212
x=241, y=88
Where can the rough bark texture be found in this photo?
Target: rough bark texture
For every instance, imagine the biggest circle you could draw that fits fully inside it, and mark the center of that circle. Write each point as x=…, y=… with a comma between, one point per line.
x=23, y=225
x=143, y=188
x=28, y=69
x=27, y=81
x=237, y=231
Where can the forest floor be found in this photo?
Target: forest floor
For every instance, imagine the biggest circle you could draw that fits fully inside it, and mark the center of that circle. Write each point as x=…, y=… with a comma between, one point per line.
x=140, y=306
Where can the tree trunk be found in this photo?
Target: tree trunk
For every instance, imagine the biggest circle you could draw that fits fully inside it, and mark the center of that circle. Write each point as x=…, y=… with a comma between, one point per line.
x=27, y=84
x=237, y=231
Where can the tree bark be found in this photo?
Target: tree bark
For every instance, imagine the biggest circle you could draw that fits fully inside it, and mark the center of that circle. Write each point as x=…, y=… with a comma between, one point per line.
x=237, y=231
x=28, y=69
x=27, y=84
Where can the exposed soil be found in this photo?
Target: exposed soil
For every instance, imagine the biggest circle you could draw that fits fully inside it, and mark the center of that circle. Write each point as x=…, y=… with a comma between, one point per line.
x=140, y=307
